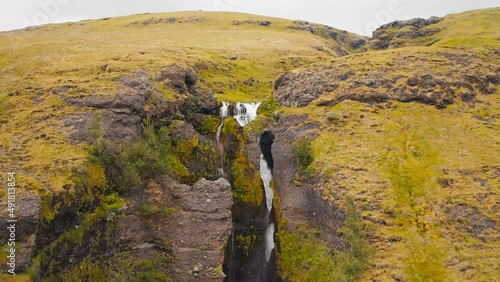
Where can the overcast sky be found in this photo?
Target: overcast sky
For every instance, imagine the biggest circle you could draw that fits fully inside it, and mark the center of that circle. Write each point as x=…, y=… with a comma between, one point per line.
x=360, y=16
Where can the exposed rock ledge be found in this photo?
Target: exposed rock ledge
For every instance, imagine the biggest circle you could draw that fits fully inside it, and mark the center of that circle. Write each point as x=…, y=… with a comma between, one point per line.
x=200, y=230
x=392, y=79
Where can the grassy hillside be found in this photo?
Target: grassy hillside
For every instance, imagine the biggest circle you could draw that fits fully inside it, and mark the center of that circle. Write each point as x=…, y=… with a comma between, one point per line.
x=87, y=58
x=426, y=180
x=469, y=30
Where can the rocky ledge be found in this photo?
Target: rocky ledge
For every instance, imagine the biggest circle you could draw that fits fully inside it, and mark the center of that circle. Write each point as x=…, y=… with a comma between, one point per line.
x=200, y=230
x=429, y=78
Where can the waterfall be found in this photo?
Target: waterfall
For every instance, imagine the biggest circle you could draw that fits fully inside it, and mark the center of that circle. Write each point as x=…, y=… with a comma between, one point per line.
x=245, y=112
x=266, y=176
x=260, y=264
x=222, y=113
x=269, y=241
x=266, y=165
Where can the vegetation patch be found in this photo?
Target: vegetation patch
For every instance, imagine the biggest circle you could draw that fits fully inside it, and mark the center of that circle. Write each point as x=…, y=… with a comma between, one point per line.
x=304, y=155
x=305, y=257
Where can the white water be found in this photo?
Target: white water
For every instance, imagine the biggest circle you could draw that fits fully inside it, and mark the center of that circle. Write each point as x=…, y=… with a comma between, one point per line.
x=269, y=240
x=266, y=176
x=224, y=109
x=223, y=114
x=244, y=113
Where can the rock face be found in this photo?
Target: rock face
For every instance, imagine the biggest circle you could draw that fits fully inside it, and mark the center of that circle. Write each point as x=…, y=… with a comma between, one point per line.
x=122, y=113
x=298, y=205
x=298, y=89
x=197, y=152
x=398, y=33
x=394, y=80
x=200, y=230
x=342, y=38
x=27, y=214
x=138, y=97
x=304, y=204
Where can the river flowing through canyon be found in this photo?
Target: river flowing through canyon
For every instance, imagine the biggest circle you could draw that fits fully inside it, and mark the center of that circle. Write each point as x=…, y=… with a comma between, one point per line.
x=250, y=252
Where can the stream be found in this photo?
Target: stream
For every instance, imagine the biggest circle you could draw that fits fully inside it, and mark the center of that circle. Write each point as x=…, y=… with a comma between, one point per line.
x=258, y=263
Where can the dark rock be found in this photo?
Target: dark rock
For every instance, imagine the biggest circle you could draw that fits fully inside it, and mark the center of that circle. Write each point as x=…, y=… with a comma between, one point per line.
x=301, y=22
x=300, y=89
x=265, y=23
x=357, y=43
x=412, y=81
x=390, y=35
x=319, y=48
x=178, y=77
x=138, y=80
x=27, y=214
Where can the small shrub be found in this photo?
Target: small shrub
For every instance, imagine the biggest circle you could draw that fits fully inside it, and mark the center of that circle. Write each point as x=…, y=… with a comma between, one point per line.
x=209, y=125
x=269, y=106
x=149, y=209
x=304, y=155
x=129, y=166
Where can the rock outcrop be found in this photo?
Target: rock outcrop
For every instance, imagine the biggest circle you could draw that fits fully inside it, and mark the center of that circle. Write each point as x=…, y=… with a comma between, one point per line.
x=401, y=33
x=200, y=230
x=138, y=97
x=403, y=79
x=27, y=216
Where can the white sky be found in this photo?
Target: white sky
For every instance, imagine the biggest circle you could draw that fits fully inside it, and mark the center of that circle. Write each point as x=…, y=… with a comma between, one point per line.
x=360, y=16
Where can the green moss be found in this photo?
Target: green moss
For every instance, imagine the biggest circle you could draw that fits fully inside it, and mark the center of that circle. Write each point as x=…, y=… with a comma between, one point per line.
x=269, y=107
x=303, y=256
x=246, y=242
x=209, y=125
x=257, y=126
x=131, y=165
x=150, y=209
x=247, y=185
x=48, y=209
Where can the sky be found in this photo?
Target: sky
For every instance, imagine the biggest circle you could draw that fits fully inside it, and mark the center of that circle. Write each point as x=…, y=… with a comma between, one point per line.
x=359, y=16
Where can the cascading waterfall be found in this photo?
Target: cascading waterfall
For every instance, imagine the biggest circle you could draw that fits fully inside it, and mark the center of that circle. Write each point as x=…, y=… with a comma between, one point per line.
x=266, y=166
x=222, y=114
x=266, y=176
x=259, y=265
x=245, y=112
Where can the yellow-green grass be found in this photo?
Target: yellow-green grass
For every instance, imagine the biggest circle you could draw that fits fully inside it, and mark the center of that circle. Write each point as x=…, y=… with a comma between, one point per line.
x=355, y=154
x=478, y=23
x=91, y=55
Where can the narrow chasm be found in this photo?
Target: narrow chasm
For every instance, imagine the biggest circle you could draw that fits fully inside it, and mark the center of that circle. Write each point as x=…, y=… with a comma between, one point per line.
x=266, y=140
x=250, y=253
